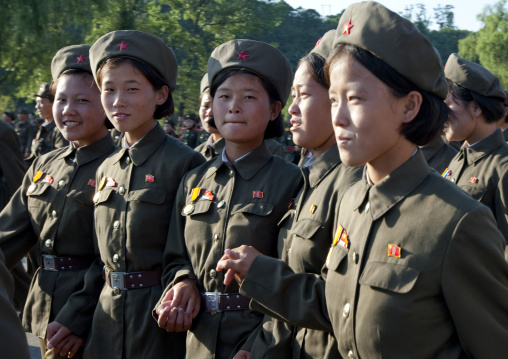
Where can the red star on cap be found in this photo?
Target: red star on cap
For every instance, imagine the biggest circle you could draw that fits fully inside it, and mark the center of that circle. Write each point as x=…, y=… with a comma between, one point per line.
x=81, y=58
x=242, y=55
x=347, y=27
x=123, y=45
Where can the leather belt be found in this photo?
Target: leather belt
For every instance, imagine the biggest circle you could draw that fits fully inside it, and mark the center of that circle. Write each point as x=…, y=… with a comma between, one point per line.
x=54, y=263
x=132, y=280
x=213, y=302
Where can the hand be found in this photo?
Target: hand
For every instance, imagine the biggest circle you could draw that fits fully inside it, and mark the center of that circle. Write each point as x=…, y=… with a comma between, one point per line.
x=180, y=305
x=237, y=261
x=62, y=341
x=242, y=354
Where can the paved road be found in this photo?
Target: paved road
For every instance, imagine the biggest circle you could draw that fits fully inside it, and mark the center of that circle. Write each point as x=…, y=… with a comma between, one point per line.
x=33, y=346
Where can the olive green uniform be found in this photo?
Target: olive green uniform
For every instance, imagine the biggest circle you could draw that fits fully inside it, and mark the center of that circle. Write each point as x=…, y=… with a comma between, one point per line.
x=13, y=343
x=445, y=296
x=48, y=138
x=438, y=154
x=210, y=152
x=26, y=133
x=132, y=215
x=53, y=210
x=189, y=137
x=12, y=167
x=482, y=172
x=305, y=233
x=238, y=204
x=275, y=147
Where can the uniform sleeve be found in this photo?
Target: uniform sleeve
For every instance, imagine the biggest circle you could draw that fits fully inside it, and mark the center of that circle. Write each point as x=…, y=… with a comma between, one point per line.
x=296, y=298
x=17, y=235
x=77, y=313
x=13, y=343
x=501, y=205
x=475, y=285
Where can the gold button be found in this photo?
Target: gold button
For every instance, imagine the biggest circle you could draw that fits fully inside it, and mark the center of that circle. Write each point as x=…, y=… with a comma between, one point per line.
x=215, y=237
x=351, y=354
x=121, y=190
x=116, y=291
x=116, y=224
x=116, y=257
x=54, y=214
x=48, y=243
x=61, y=183
x=32, y=188
x=356, y=257
x=453, y=180
x=96, y=197
x=345, y=310
x=367, y=207
x=231, y=172
x=221, y=204
x=213, y=273
x=128, y=160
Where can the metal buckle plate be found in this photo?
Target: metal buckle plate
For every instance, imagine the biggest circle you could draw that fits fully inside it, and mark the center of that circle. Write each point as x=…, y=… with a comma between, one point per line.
x=116, y=279
x=212, y=301
x=49, y=262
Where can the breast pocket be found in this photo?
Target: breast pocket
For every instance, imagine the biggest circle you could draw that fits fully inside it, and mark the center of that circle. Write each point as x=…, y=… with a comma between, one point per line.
x=476, y=192
x=38, y=195
x=336, y=257
x=103, y=196
x=82, y=196
x=200, y=207
x=306, y=228
x=389, y=276
x=259, y=209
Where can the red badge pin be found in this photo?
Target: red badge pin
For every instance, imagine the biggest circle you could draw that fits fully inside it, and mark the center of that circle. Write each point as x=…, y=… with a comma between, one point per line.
x=91, y=182
x=48, y=179
x=208, y=195
x=149, y=178
x=394, y=250
x=110, y=182
x=257, y=194
x=341, y=238
x=473, y=180
x=242, y=55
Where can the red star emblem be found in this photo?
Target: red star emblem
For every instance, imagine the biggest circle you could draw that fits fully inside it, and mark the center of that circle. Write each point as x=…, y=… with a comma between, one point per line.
x=347, y=27
x=81, y=58
x=242, y=55
x=123, y=45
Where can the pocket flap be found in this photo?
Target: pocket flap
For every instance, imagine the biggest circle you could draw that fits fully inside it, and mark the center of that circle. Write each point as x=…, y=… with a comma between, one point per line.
x=389, y=276
x=259, y=208
x=199, y=208
x=38, y=189
x=306, y=228
x=149, y=195
x=83, y=196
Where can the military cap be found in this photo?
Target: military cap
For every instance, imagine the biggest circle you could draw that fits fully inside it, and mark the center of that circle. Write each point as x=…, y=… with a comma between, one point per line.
x=44, y=92
x=258, y=57
x=473, y=77
x=70, y=57
x=324, y=45
x=23, y=110
x=204, y=84
x=137, y=45
x=395, y=40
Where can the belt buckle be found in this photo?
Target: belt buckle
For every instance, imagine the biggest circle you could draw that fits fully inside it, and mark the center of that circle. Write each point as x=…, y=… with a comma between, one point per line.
x=116, y=279
x=212, y=301
x=49, y=262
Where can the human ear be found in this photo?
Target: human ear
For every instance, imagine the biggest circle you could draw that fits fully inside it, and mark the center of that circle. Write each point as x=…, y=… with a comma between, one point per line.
x=163, y=94
x=475, y=110
x=276, y=109
x=412, y=106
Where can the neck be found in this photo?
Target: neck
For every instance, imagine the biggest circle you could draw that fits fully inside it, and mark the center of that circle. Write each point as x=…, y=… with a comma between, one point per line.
x=382, y=166
x=215, y=137
x=325, y=146
x=482, y=131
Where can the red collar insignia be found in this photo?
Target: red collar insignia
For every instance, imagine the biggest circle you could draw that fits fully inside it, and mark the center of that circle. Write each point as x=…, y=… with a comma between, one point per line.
x=242, y=55
x=347, y=27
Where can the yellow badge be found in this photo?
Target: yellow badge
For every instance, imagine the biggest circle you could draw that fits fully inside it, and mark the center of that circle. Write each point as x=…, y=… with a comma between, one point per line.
x=37, y=176
x=313, y=209
x=103, y=183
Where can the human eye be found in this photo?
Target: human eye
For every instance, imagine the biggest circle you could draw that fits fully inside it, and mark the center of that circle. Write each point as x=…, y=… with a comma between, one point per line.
x=82, y=100
x=250, y=97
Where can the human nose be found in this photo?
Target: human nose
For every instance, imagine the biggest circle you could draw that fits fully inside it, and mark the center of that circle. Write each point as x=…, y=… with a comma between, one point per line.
x=234, y=106
x=118, y=101
x=339, y=114
x=294, y=109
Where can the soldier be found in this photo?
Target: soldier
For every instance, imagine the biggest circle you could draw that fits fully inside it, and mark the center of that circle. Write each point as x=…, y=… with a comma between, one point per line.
x=412, y=254
x=9, y=118
x=169, y=127
x=53, y=208
x=438, y=153
x=234, y=199
x=309, y=224
x=291, y=150
x=476, y=100
x=189, y=133
x=25, y=131
x=214, y=144
x=48, y=137
x=136, y=187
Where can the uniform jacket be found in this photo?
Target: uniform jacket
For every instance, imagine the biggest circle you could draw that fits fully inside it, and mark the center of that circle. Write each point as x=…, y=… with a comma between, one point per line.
x=438, y=154
x=305, y=233
x=26, y=133
x=238, y=204
x=12, y=168
x=275, y=147
x=47, y=139
x=423, y=273
x=211, y=152
x=13, y=343
x=132, y=215
x=482, y=172
x=53, y=210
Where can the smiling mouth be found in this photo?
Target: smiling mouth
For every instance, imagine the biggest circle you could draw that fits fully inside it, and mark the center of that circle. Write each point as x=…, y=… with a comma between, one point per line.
x=71, y=123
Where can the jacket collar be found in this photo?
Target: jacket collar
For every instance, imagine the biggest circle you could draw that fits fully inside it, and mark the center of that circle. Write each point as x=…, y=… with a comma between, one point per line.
x=90, y=152
x=143, y=149
x=483, y=147
x=323, y=165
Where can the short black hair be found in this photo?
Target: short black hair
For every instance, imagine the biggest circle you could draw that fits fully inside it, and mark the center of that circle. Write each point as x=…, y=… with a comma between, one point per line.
x=275, y=128
x=316, y=67
x=151, y=74
x=492, y=107
x=430, y=120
